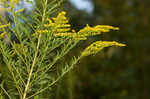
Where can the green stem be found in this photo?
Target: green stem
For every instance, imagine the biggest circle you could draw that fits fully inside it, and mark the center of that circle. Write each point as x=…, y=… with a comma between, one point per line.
x=55, y=81
x=36, y=54
x=32, y=67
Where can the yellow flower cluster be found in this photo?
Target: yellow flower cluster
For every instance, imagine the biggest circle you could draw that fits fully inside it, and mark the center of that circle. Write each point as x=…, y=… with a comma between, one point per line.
x=2, y=34
x=98, y=46
x=4, y=26
x=56, y=25
x=20, y=10
x=59, y=24
x=75, y=36
x=60, y=27
x=88, y=31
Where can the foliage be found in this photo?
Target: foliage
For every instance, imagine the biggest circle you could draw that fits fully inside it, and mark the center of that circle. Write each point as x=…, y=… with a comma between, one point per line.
x=33, y=61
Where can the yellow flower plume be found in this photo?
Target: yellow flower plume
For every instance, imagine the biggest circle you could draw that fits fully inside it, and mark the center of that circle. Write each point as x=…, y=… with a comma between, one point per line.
x=98, y=46
x=60, y=27
x=4, y=26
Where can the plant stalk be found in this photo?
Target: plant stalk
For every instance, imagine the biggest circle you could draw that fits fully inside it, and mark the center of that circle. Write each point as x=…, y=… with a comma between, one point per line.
x=32, y=67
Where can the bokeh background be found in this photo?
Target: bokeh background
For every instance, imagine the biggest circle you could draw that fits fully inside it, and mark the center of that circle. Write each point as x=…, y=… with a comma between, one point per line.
x=114, y=73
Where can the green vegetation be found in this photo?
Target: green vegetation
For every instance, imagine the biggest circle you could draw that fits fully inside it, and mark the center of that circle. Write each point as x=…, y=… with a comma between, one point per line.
x=36, y=59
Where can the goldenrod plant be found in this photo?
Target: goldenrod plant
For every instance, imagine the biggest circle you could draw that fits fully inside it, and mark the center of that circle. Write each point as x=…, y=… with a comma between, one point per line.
x=33, y=62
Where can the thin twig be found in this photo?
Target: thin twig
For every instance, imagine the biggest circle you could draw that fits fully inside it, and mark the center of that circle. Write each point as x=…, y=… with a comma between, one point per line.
x=5, y=91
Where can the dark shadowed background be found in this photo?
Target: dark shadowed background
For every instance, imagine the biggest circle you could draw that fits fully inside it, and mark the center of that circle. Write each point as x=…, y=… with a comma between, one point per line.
x=114, y=73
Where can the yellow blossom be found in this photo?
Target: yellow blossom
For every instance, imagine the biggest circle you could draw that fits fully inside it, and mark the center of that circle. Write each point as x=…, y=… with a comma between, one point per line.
x=20, y=10
x=42, y=31
x=59, y=24
x=61, y=19
x=60, y=27
x=74, y=36
x=62, y=34
x=3, y=26
x=2, y=34
x=98, y=46
x=63, y=30
x=107, y=27
x=91, y=31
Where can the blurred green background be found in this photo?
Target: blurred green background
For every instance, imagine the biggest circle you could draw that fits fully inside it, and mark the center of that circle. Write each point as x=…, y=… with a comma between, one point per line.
x=114, y=73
